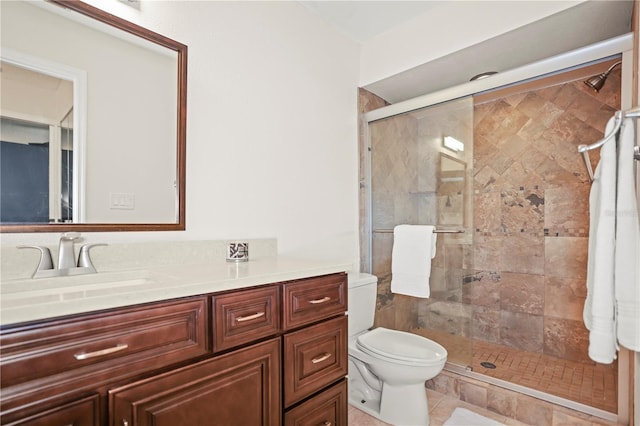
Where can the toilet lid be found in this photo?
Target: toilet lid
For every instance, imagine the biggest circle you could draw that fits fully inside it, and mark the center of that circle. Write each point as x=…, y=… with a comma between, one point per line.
x=402, y=346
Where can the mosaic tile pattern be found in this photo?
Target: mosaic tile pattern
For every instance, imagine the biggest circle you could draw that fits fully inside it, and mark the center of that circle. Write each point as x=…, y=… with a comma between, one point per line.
x=588, y=383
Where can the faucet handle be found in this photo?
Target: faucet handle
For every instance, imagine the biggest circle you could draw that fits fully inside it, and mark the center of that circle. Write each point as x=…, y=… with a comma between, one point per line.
x=84, y=260
x=45, y=262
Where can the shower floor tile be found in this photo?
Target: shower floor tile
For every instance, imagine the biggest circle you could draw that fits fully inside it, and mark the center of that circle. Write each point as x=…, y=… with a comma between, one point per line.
x=591, y=384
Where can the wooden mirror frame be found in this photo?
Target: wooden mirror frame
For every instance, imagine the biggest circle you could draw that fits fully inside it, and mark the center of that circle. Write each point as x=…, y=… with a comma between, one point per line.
x=181, y=50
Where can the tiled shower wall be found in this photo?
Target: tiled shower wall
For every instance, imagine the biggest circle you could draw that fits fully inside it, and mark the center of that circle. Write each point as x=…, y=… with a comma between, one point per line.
x=531, y=216
x=517, y=277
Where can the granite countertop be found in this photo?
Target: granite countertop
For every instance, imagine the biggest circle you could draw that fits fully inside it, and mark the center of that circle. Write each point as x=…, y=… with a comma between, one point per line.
x=39, y=299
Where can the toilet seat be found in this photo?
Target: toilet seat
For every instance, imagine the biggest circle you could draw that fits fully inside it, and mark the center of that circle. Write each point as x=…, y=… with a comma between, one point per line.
x=401, y=347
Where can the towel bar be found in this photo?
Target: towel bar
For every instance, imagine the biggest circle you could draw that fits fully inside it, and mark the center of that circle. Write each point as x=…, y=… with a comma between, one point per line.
x=437, y=231
x=619, y=117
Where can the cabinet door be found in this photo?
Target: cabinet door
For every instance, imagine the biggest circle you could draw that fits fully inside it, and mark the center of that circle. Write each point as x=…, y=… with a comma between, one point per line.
x=83, y=412
x=238, y=388
x=326, y=409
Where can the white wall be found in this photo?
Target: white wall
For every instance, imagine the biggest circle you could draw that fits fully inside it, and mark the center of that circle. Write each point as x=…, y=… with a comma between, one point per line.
x=446, y=28
x=271, y=127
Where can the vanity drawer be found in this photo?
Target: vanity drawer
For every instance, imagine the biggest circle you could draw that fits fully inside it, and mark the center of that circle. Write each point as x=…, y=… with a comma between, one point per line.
x=244, y=316
x=150, y=337
x=328, y=409
x=314, y=357
x=314, y=299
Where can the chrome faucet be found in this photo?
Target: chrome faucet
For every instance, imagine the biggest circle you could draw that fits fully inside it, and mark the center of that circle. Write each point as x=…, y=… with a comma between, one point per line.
x=66, y=250
x=67, y=264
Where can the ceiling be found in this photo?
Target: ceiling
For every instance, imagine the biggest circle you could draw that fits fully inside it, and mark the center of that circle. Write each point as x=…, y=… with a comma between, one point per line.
x=584, y=24
x=363, y=20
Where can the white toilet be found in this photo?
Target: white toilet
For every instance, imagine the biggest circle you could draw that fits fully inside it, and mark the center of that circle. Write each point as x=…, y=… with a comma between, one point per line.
x=387, y=368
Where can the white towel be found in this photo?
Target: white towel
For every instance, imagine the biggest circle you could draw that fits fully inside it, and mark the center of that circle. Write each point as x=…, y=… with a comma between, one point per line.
x=598, y=311
x=413, y=248
x=627, y=254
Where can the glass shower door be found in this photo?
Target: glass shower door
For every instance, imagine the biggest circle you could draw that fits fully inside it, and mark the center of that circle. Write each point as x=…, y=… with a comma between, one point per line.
x=416, y=179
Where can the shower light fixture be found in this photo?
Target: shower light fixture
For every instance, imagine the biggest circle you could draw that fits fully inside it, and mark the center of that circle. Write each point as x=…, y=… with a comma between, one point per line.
x=453, y=144
x=483, y=75
x=597, y=81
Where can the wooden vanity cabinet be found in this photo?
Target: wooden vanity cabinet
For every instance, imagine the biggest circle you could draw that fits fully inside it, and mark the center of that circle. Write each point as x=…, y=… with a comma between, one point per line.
x=266, y=355
x=53, y=370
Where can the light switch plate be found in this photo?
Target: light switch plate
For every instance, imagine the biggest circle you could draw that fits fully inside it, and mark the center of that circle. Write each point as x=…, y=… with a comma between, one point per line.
x=121, y=201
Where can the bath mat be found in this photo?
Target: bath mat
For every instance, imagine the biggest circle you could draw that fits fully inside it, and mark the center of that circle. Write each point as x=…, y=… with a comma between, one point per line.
x=464, y=417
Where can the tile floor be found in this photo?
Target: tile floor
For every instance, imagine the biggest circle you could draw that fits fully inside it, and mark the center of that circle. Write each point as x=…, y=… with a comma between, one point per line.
x=441, y=407
x=587, y=383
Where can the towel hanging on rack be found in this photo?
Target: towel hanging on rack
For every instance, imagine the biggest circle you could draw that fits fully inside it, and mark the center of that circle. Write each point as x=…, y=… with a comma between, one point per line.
x=627, y=252
x=598, y=311
x=612, y=308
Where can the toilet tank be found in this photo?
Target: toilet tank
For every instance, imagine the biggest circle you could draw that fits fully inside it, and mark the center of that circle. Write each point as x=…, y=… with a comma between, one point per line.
x=363, y=289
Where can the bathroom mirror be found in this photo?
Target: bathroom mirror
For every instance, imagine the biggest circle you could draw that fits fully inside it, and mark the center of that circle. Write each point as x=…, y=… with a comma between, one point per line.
x=451, y=190
x=121, y=137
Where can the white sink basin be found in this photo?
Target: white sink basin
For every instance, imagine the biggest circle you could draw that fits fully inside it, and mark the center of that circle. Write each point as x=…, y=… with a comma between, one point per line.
x=59, y=289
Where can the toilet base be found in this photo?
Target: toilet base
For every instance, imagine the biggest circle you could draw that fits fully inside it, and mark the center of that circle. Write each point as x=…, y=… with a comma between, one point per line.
x=398, y=405
x=371, y=406
x=404, y=405
x=361, y=395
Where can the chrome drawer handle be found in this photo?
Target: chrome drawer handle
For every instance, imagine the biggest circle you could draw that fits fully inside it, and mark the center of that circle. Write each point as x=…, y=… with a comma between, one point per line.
x=87, y=355
x=250, y=317
x=327, y=423
x=316, y=301
x=321, y=358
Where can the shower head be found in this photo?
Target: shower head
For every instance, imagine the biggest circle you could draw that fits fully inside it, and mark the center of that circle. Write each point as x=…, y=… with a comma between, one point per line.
x=597, y=81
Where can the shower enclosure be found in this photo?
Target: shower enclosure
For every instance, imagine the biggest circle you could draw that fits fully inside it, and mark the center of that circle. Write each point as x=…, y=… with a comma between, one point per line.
x=506, y=292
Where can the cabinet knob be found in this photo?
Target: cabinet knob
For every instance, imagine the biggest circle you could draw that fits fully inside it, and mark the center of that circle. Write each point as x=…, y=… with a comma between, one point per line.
x=125, y=423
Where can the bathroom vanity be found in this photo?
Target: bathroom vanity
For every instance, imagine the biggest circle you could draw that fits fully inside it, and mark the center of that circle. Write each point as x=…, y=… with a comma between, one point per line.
x=268, y=353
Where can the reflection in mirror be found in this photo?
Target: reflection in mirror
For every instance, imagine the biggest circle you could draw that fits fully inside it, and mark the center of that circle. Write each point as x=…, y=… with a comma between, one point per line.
x=36, y=147
x=451, y=190
x=113, y=148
